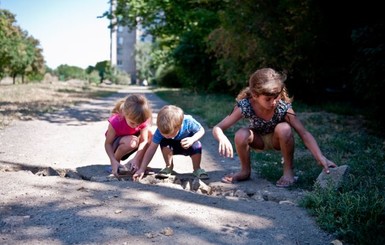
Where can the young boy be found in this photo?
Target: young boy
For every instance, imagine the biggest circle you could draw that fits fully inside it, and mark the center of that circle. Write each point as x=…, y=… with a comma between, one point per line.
x=177, y=134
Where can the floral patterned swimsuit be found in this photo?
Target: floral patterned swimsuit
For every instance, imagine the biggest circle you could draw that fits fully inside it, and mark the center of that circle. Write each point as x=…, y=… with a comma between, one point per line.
x=261, y=126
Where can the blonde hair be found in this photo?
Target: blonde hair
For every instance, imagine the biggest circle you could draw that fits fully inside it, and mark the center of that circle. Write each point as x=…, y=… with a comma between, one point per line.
x=266, y=81
x=134, y=107
x=169, y=119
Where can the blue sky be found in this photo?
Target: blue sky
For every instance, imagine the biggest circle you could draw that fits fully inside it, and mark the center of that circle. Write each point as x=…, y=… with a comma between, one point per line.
x=68, y=30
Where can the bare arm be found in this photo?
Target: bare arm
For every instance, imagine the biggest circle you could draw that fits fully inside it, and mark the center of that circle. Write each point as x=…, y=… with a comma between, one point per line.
x=225, y=147
x=148, y=155
x=309, y=141
x=143, y=141
x=110, y=137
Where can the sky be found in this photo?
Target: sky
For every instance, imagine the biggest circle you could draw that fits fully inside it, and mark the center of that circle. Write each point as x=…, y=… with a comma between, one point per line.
x=69, y=31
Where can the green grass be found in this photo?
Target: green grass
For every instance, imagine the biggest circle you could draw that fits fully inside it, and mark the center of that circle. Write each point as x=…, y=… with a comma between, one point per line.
x=355, y=212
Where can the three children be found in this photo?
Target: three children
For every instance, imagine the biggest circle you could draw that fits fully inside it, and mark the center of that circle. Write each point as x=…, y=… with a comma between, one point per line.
x=265, y=103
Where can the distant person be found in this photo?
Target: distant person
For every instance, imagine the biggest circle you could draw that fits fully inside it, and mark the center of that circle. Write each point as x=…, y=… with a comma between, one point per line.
x=267, y=106
x=177, y=134
x=128, y=132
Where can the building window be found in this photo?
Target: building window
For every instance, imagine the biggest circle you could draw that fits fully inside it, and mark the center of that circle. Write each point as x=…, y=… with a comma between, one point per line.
x=120, y=62
x=120, y=28
x=119, y=51
x=120, y=40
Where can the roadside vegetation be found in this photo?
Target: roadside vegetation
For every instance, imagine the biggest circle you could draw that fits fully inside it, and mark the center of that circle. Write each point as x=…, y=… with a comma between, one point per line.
x=356, y=211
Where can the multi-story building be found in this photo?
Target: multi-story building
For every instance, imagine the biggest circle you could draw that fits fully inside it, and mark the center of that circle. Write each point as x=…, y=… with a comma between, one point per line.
x=122, y=48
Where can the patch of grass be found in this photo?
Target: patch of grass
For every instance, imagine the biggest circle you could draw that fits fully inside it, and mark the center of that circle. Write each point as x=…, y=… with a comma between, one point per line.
x=356, y=211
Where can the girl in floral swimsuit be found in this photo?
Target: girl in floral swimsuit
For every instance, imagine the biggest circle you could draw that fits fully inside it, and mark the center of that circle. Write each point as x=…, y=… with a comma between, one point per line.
x=267, y=106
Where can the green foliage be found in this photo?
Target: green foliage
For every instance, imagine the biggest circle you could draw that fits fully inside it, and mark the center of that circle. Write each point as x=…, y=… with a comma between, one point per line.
x=119, y=77
x=98, y=73
x=369, y=62
x=355, y=216
x=67, y=72
x=37, y=77
x=93, y=77
x=20, y=54
x=180, y=29
x=356, y=211
x=143, y=61
x=285, y=35
x=168, y=77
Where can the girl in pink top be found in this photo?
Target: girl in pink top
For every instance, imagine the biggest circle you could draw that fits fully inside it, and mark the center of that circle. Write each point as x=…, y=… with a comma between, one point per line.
x=128, y=132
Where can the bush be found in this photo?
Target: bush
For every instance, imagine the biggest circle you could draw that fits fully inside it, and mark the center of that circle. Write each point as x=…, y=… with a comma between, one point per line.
x=94, y=77
x=167, y=77
x=119, y=77
x=66, y=72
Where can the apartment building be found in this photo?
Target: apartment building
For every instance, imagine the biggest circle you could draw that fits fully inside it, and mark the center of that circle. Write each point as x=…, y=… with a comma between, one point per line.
x=122, y=48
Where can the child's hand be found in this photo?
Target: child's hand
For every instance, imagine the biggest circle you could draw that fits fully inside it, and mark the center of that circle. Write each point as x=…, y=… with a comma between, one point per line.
x=186, y=142
x=326, y=164
x=225, y=148
x=138, y=175
x=132, y=166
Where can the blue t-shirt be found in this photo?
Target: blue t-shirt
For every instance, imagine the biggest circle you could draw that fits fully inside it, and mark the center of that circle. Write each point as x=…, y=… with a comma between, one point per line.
x=189, y=127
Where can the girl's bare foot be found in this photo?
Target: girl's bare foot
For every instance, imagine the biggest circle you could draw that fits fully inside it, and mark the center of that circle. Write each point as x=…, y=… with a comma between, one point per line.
x=232, y=178
x=285, y=182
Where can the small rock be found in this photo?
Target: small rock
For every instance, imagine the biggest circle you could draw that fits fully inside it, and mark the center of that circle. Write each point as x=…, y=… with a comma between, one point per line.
x=287, y=202
x=334, y=178
x=48, y=172
x=150, y=235
x=168, y=231
x=73, y=175
x=241, y=194
x=336, y=242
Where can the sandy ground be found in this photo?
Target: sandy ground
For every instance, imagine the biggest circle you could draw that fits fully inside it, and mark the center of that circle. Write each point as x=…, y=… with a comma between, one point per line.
x=84, y=205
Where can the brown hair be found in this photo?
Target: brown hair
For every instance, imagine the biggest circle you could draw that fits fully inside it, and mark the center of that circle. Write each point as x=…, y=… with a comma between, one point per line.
x=135, y=107
x=169, y=119
x=266, y=81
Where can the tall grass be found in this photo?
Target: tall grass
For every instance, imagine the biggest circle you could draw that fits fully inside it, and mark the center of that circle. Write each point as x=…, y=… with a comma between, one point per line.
x=356, y=211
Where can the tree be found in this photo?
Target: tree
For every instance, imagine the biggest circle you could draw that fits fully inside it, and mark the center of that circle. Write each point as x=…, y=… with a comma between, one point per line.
x=20, y=53
x=104, y=69
x=66, y=72
x=180, y=29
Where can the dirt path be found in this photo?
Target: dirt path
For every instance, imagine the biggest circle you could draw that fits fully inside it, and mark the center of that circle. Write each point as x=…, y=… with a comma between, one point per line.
x=89, y=207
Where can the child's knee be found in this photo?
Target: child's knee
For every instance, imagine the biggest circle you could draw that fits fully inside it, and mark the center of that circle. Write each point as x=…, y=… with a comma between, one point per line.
x=134, y=144
x=284, y=130
x=166, y=149
x=241, y=136
x=131, y=142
